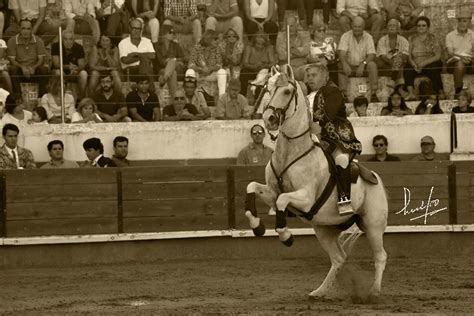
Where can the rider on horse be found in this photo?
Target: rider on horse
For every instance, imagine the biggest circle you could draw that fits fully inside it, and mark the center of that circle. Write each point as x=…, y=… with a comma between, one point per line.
x=337, y=133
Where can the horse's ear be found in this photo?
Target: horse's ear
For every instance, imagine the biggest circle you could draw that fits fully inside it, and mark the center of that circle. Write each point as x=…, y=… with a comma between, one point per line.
x=273, y=71
x=289, y=72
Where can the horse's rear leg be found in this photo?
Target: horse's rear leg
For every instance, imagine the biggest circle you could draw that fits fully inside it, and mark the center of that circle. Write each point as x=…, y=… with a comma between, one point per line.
x=329, y=239
x=375, y=238
x=267, y=195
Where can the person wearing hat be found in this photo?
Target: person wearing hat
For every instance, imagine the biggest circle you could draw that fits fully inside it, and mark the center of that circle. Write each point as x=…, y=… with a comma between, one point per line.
x=427, y=150
x=232, y=105
x=95, y=153
x=193, y=95
x=459, y=43
x=255, y=153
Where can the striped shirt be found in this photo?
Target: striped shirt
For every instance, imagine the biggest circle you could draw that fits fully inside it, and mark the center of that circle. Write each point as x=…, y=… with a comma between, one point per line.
x=181, y=8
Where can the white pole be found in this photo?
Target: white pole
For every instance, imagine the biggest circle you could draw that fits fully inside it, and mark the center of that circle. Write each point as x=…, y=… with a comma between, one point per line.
x=61, y=74
x=288, y=43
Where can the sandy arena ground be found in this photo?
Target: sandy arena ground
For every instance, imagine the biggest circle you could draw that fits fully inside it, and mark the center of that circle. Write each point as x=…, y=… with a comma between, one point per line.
x=278, y=287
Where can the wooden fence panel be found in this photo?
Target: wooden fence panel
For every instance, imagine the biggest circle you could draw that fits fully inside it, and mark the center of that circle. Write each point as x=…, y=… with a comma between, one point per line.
x=174, y=198
x=465, y=192
x=60, y=202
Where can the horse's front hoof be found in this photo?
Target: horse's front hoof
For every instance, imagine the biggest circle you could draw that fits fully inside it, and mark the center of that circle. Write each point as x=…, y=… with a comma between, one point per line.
x=289, y=241
x=259, y=230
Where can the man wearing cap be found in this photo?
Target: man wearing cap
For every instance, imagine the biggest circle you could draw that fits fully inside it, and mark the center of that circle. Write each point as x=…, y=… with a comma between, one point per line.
x=459, y=44
x=255, y=153
x=427, y=150
x=193, y=96
x=232, y=105
x=95, y=153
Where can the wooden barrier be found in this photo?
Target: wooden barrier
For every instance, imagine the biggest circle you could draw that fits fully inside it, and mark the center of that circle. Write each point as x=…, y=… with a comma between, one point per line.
x=192, y=198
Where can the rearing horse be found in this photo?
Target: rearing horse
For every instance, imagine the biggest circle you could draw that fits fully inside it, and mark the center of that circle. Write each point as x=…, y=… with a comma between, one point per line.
x=296, y=178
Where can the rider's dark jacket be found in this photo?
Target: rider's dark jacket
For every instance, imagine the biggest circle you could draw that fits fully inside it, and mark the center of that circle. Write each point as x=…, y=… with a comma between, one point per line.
x=329, y=111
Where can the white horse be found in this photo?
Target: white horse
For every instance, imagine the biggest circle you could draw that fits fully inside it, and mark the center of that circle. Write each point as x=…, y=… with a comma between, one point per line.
x=296, y=177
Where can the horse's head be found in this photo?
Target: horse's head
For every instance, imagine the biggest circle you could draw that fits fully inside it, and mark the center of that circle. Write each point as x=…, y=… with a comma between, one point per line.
x=283, y=97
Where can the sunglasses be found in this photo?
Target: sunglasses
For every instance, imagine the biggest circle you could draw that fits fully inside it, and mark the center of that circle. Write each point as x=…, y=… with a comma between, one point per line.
x=422, y=25
x=179, y=98
x=426, y=144
x=379, y=145
x=257, y=132
x=136, y=28
x=171, y=32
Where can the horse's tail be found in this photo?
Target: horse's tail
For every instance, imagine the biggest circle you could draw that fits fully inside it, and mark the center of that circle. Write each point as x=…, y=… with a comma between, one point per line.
x=349, y=237
x=382, y=185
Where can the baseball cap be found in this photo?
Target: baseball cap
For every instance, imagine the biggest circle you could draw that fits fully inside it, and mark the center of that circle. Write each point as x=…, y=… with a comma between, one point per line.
x=427, y=140
x=234, y=83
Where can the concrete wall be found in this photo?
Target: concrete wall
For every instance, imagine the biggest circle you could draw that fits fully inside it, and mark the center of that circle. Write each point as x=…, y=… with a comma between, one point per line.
x=224, y=139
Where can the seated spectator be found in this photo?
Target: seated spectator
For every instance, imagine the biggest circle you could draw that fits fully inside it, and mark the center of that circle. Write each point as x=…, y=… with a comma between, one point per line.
x=392, y=53
x=136, y=53
x=207, y=61
x=111, y=106
x=427, y=150
x=183, y=16
x=405, y=11
x=223, y=15
x=74, y=61
x=232, y=105
x=464, y=103
x=169, y=59
x=357, y=57
x=35, y=12
x=429, y=104
x=380, y=144
x=459, y=44
x=95, y=154
x=26, y=53
x=13, y=156
x=104, y=59
x=299, y=45
x=147, y=11
x=255, y=153
x=4, y=65
x=56, y=153
x=81, y=18
x=360, y=106
x=424, y=58
x=396, y=106
x=367, y=10
x=15, y=114
x=121, y=152
x=259, y=17
x=298, y=5
x=323, y=50
x=143, y=106
x=51, y=102
x=86, y=112
x=179, y=110
x=231, y=48
x=38, y=116
x=193, y=96
x=113, y=19
x=258, y=58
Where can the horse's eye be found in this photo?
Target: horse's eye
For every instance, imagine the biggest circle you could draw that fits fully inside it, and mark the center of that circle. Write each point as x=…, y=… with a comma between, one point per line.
x=287, y=91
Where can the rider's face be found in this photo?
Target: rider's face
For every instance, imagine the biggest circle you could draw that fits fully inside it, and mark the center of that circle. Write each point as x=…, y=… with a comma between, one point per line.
x=315, y=78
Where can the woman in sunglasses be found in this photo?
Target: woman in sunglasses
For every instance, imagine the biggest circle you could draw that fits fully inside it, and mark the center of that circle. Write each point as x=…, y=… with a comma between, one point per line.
x=231, y=48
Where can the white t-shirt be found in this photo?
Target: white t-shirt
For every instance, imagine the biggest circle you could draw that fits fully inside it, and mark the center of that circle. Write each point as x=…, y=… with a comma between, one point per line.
x=126, y=47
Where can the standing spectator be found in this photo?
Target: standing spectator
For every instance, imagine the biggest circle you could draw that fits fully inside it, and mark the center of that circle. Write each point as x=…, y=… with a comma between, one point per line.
x=405, y=11
x=232, y=105
x=26, y=53
x=95, y=154
x=392, y=52
x=111, y=106
x=86, y=112
x=137, y=52
x=368, y=10
x=224, y=14
x=357, y=57
x=298, y=5
x=299, y=45
x=310, y=5
x=183, y=16
x=380, y=144
x=13, y=156
x=120, y=152
x=206, y=60
x=427, y=145
x=429, y=104
x=179, y=110
x=35, y=12
x=74, y=61
x=259, y=17
x=51, y=102
x=104, y=58
x=255, y=153
x=360, y=106
x=143, y=106
x=56, y=153
x=424, y=58
x=113, y=18
x=4, y=65
x=81, y=18
x=147, y=10
x=15, y=114
x=396, y=106
x=464, y=103
x=256, y=62
x=232, y=48
x=193, y=96
x=169, y=59
x=459, y=44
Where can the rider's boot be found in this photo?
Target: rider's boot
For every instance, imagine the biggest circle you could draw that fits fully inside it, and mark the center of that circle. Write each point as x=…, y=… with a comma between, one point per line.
x=344, y=190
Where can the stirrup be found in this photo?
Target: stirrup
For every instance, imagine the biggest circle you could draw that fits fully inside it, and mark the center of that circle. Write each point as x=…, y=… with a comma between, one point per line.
x=344, y=206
